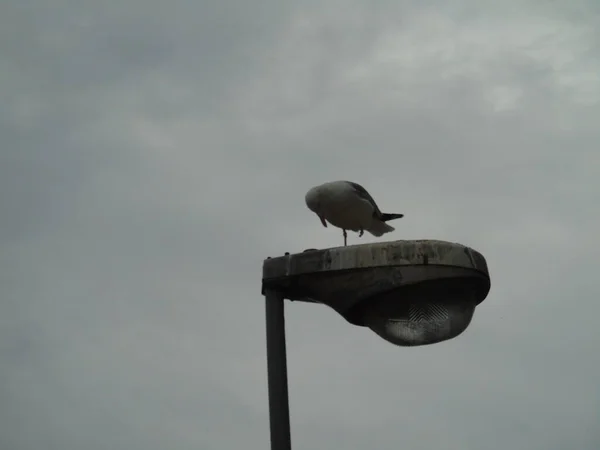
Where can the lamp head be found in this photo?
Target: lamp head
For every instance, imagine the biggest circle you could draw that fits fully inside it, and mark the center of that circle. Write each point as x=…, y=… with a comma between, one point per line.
x=408, y=292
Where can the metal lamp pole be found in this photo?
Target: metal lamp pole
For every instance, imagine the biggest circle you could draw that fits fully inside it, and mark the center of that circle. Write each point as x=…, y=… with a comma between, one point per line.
x=279, y=409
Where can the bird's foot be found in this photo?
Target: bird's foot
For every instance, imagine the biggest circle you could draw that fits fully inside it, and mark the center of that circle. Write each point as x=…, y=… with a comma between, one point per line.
x=361, y=232
x=345, y=237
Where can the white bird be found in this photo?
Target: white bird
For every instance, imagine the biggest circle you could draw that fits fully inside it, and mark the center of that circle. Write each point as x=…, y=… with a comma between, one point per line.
x=348, y=206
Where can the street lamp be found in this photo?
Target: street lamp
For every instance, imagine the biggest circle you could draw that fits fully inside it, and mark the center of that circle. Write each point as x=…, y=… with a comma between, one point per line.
x=408, y=292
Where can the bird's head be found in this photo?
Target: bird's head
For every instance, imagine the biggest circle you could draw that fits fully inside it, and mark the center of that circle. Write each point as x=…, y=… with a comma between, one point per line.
x=314, y=202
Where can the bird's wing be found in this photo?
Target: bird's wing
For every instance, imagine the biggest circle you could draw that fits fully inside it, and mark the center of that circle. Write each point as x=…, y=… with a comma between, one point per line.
x=362, y=192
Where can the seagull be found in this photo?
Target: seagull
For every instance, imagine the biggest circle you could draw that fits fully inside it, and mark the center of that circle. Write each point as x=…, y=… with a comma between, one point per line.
x=348, y=205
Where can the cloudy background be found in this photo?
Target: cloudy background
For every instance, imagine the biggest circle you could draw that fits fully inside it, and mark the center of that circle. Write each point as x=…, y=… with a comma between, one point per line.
x=154, y=153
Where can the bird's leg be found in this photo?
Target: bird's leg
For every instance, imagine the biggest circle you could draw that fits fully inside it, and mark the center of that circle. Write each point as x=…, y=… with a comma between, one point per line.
x=345, y=237
x=361, y=232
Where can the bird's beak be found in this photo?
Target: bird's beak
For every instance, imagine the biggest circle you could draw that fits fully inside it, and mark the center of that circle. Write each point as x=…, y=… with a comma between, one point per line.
x=323, y=221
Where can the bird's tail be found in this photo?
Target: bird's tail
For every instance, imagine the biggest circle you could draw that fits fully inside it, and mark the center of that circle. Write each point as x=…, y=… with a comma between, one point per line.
x=379, y=228
x=386, y=216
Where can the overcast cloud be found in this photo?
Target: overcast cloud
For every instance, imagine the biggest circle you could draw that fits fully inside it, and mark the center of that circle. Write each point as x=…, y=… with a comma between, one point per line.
x=154, y=153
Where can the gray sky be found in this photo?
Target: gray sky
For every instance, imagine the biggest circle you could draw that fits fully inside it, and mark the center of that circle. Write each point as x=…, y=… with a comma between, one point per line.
x=154, y=153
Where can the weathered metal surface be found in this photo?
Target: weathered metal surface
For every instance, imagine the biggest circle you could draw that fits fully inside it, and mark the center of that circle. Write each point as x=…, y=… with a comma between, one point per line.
x=384, y=254
x=345, y=277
